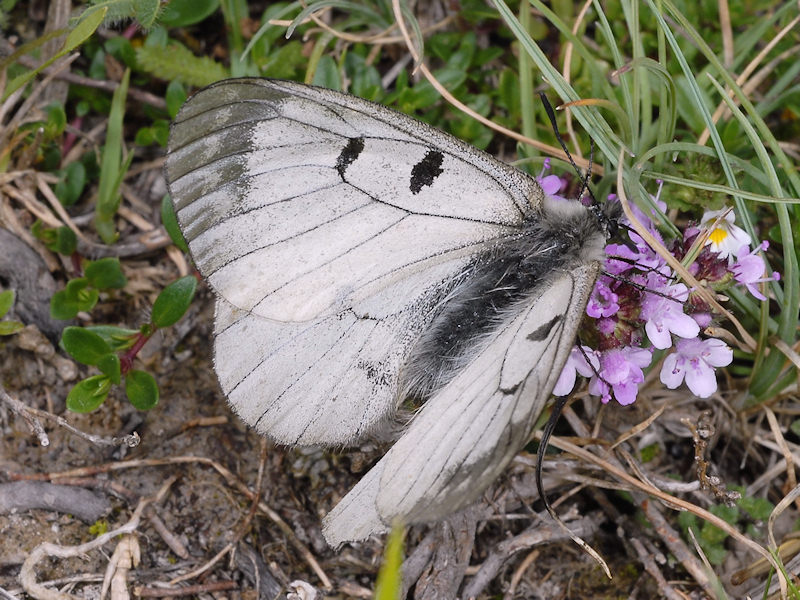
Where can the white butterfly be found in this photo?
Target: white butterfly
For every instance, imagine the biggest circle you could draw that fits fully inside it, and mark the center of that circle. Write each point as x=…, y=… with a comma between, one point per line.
x=361, y=257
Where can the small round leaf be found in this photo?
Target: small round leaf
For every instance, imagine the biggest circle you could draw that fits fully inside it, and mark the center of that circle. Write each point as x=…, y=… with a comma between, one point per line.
x=118, y=338
x=175, y=97
x=87, y=299
x=109, y=365
x=141, y=389
x=106, y=273
x=62, y=306
x=10, y=327
x=6, y=301
x=170, y=222
x=66, y=241
x=173, y=301
x=71, y=183
x=84, y=346
x=88, y=394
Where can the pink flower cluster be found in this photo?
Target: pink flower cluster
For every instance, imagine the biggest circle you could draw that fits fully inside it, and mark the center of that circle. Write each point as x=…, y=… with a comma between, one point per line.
x=639, y=306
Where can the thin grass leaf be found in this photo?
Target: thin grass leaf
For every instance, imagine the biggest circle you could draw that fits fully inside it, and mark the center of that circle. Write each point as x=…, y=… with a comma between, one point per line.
x=346, y=7
x=88, y=24
x=526, y=86
x=316, y=54
x=390, y=576
x=791, y=285
x=723, y=189
x=266, y=26
x=597, y=128
x=595, y=125
x=628, y=107
x=111, y=167
x=640, y=68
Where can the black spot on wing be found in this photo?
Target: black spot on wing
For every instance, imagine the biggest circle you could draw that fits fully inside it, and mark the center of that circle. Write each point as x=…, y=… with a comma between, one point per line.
x=426, y=171
x=349, y=154
x=540, y=333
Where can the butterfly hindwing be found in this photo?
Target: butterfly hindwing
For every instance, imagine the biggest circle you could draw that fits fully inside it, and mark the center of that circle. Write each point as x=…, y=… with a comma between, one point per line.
x=466, y=434
x=328, y=381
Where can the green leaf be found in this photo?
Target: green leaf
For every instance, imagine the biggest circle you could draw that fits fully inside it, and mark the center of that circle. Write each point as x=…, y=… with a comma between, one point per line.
x=177, y=63
x=729, y=514
x=111, y=166
x=712, y=535
x=66, y=241
x=118, y=338
x=181, y=13
x=71, y=183
x=56, y=120
x=83, y=345
x=10, y=327
x=327, y=74
x=77, y=296
x=97, y=68
x=88, y=394
x=146, y=12
x=157, y=133
x=62, y=306
x=106, y=273
x=173, y=301
x=390, y=576
x=30, y=47
x=145, y=137
x=170, y=221
x=175, y=97
x=91, y=20
x=141, y=389
x=84, y=296
x=110, y=366
x=715, y=553
x=758, y=508
x=6, y=301
x=161, y=132
x=121, y=48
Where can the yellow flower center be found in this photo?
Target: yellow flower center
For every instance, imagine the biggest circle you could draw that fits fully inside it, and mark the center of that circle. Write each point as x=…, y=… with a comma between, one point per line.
x=718, y=235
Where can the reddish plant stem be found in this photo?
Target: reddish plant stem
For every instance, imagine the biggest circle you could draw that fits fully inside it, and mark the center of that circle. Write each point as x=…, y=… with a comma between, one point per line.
x=126, y=360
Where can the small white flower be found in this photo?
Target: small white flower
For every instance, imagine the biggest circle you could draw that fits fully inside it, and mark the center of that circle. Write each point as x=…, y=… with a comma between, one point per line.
x=726, y=239
x=695, y=360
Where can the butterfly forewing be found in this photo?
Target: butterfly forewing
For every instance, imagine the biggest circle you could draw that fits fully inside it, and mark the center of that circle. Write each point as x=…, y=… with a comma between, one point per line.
x=299, y=202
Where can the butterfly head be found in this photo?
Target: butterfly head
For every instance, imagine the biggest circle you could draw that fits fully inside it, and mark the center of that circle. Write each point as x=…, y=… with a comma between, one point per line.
x=608, y=215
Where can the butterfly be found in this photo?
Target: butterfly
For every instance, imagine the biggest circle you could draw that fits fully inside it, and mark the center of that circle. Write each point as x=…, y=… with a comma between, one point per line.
x=361, y=258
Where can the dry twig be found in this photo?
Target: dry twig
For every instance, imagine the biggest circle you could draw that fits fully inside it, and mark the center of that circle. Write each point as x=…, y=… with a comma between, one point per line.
x=27, y=575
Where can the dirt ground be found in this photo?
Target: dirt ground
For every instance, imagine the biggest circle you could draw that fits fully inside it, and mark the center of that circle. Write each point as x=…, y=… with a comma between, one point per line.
x=202, y=510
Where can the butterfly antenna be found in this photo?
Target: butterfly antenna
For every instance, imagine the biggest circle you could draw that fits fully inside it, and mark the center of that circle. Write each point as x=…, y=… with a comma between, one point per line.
x=547, y=433
x=643, y=288
x=548, y=108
